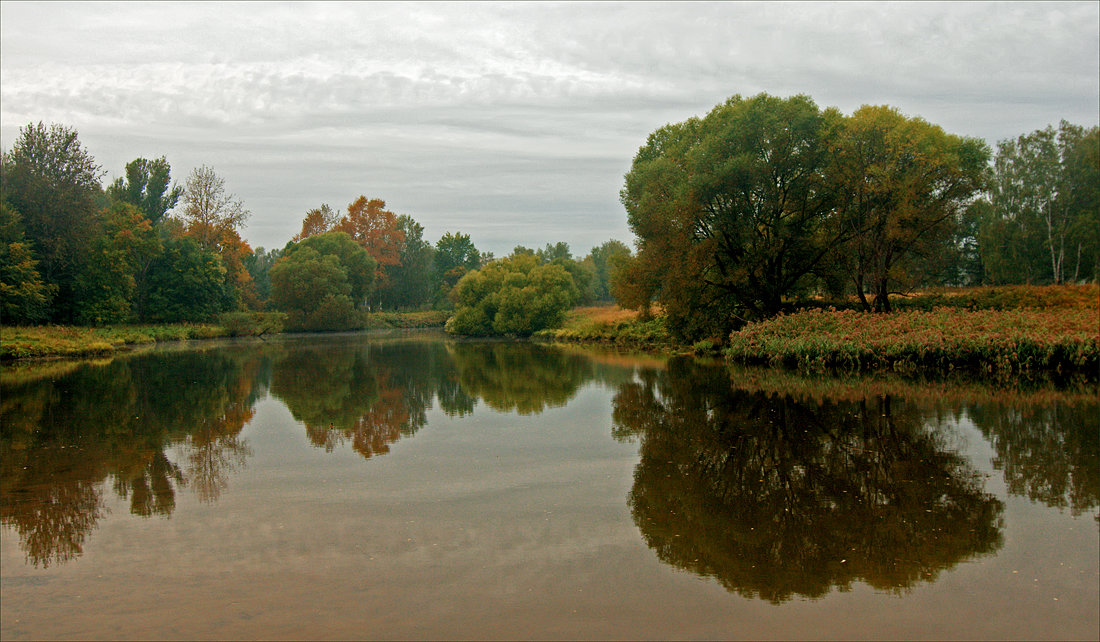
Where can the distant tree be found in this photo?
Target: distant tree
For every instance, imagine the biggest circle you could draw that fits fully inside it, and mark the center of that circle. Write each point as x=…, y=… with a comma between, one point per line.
x=1041, y=227
x=258, y=265
x=53, y=182
x=318, y=221
x=209, y=212
x=902, y=184
x=375, y=228
x=146, y=187
x=512, y=296
x=455, y=255
x=559, y=250
x=606, y=259
x=409, y=283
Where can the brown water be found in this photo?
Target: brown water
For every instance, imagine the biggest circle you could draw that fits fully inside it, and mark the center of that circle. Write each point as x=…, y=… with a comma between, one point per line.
x=415, y=487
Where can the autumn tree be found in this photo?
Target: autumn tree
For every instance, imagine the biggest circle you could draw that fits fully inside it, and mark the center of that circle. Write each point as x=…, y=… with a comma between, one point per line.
x=375, y=228
x=146, y=186
x=318, y=221
x=210, y=212
x=901, y=185
x=213, y=217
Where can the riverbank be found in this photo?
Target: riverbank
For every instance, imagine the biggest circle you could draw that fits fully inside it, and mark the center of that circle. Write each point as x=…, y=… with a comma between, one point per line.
x=988, y=331
x=982, y=342
x=52, y=342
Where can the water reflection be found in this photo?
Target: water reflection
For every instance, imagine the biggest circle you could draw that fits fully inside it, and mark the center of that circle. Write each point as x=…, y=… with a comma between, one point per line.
x=782, y=494
x=776, y=497
x=61, y=438
x=1049, y=453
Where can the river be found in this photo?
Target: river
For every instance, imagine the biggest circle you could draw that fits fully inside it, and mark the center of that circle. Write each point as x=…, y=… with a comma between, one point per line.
x=407, y=485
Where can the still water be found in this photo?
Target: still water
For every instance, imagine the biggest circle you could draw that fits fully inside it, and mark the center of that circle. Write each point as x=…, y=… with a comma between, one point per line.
x=410, y=486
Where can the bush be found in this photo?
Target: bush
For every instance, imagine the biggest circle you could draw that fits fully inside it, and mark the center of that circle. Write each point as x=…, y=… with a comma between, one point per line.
x=513, y=296
x=252, y=324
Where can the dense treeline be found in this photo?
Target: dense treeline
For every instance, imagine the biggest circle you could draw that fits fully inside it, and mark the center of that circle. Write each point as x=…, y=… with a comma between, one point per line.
x=753, y=209
x=766, y=202
x=144, y=249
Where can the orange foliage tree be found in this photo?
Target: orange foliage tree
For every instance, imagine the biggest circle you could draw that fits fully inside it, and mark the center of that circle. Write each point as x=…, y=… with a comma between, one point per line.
x=378, y=231
x=318, y=221
x=375, y=228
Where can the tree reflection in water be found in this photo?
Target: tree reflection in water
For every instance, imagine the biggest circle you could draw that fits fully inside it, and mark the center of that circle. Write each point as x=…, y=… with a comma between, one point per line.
x=775, y=497
x=1048, y=453
x=61, y=438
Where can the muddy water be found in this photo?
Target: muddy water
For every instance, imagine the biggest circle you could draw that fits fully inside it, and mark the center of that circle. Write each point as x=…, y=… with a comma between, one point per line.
x=415, y=487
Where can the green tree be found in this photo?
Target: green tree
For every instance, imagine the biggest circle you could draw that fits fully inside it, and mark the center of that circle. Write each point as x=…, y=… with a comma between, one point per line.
x=1041, y=227
x=24, y=298
x=730, y=211
x=184, y=283
x=315, y=290
x=53, y=182
x=455, y=255
x=512, y=296
x=258, y=264
x=358, y=266
x=606, y=259
x=409, y=283
x=902, y=185
x=146, y=186
x=107, y=283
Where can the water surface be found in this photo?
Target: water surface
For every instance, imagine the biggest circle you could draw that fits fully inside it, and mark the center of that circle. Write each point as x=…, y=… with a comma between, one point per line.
x=410, y=486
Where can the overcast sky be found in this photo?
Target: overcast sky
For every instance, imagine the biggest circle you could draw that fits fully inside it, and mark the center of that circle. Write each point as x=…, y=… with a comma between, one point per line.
x=513, y=123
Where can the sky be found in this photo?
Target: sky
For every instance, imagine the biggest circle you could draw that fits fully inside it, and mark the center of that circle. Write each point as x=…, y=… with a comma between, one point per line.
x=511, y=122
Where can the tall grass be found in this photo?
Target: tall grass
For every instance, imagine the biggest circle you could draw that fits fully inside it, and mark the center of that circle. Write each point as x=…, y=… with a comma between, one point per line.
x=983, y=341
x=18, y=342
x=610, y=325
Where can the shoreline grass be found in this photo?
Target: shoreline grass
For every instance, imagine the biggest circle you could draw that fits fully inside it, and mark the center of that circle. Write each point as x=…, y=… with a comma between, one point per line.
x=63, y=342
x=984, y=342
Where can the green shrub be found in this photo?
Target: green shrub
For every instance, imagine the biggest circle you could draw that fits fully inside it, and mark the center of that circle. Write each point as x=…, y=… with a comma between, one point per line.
x=252, y=324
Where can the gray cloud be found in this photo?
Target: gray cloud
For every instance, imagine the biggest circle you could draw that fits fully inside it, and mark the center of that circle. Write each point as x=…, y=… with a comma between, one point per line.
x=511, y=122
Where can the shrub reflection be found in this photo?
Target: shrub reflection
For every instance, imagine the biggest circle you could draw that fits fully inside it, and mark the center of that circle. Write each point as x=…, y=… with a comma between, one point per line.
x=776, y=497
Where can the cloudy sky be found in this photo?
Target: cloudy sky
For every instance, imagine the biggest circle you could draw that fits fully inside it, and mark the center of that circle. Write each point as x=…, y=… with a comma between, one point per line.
x=513, y=123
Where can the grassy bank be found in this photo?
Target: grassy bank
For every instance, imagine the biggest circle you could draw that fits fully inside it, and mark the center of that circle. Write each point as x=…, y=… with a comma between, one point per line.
x=611, y=325
x=988, y=330
x=40, y=342
x=36, y=342
x=1002, y=342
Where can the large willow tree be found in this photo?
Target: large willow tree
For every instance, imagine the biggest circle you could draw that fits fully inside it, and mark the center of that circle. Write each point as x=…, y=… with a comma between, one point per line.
x=729, y=211
x=738, y=213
